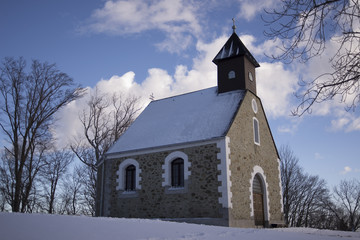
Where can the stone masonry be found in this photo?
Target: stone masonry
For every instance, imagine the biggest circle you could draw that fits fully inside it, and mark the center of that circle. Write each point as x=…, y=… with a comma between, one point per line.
x=198, y=199
x=244, y=156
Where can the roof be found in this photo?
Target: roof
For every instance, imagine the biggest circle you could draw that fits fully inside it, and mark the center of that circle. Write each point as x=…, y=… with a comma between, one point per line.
x=191, y=117
x=234, y=47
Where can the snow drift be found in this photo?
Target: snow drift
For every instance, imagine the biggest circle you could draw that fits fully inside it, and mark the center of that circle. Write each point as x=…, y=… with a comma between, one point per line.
x=16, y=226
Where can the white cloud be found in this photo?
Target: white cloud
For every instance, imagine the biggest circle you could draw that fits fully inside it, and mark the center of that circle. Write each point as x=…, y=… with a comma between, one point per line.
x=276, y=83
x=177, y=19
x=249, y=8
x=69, y=125
x=276, y=87
x=338, y=124
x=354, y=125
x=346, y=170
x=335, y=109
x=158, y=83
x=349, y=123
x=290, y=128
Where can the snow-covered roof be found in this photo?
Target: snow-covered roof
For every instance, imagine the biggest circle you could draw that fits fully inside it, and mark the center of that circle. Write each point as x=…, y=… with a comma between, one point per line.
x=191, y=117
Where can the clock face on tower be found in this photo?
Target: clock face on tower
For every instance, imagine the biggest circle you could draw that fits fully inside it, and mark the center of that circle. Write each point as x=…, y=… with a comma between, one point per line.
x=251, y=77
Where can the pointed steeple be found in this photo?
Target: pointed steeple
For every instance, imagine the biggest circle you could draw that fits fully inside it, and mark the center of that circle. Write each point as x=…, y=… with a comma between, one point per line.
x=236, y=66
x=234, y=47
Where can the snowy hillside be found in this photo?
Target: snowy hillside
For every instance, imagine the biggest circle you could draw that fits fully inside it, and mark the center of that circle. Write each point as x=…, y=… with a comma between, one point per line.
x=56, y=227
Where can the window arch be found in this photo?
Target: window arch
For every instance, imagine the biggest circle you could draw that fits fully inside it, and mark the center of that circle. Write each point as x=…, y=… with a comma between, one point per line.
x=256, y=131
x=176, y=170
x=128, y=176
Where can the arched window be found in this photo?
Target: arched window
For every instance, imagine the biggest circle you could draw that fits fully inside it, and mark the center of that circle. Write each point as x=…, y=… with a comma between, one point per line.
x=231, y=75
x=256, y=131
x=130, y=177
x=177, y=173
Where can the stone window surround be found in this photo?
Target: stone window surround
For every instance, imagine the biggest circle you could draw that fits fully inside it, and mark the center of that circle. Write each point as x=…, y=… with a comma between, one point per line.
x=121, y=175
x=167, y=171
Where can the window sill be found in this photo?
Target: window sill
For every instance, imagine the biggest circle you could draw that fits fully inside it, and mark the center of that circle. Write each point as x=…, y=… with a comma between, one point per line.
x=176, y=190
x=128, y=194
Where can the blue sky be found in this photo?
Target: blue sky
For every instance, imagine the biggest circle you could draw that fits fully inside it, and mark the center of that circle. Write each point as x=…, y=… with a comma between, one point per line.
x=165, y=48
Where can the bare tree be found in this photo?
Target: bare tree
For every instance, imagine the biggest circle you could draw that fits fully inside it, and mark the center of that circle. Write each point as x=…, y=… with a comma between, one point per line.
x=307, y=28
x=56, y=166
x=71, y=196
x=89, y=190
x=28, y=102
x=309, y=202
x=347, y=205
x=290, y=172
x=303, y=194
x=6, y=180
x=103, y=121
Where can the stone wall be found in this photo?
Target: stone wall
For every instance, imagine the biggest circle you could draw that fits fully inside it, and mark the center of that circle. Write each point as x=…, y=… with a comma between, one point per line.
x=244, y=155
x=198, y=199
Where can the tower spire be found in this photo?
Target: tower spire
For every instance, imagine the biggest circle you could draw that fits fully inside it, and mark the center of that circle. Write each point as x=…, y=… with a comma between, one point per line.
x=233, y=27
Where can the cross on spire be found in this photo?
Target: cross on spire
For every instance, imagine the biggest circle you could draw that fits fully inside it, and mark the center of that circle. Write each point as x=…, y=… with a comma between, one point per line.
x=233, y=27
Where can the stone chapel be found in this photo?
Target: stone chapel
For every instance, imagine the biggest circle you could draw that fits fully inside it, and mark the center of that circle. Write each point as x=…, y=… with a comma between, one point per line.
x=202, y=157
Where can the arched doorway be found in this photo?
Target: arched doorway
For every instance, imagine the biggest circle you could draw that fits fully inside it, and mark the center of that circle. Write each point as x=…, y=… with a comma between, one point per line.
x=258, y=201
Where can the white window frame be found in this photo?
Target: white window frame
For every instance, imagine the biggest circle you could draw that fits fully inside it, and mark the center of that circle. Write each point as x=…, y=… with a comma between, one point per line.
x=255, y=121
x=121, y=173
x=254, y=106
x=167, y=168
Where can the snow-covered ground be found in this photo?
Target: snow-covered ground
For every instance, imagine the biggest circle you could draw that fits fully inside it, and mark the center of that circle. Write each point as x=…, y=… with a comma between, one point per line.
x=52, y=227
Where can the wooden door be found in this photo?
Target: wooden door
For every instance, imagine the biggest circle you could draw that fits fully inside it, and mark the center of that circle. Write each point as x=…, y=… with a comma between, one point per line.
x=258, y=209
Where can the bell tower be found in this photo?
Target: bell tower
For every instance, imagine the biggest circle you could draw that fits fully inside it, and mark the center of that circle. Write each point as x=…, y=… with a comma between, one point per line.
x=236, y=66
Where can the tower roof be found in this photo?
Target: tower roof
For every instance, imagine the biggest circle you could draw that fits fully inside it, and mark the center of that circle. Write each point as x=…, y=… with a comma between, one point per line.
x=234, y=48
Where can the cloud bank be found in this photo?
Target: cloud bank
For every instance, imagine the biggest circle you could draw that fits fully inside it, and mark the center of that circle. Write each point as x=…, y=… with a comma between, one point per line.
x=176, y=19
x=275, y=85
x=179, y=22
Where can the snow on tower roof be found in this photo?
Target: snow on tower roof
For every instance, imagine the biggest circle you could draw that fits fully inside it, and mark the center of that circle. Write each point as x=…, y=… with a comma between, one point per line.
x=234, y=47
x=191, y=117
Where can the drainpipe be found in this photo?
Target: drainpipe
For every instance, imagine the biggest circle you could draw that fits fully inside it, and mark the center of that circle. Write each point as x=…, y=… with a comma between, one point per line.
x=102, y=189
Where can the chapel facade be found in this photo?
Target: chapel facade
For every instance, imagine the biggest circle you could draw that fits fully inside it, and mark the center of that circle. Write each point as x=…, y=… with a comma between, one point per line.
x=203, y=157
